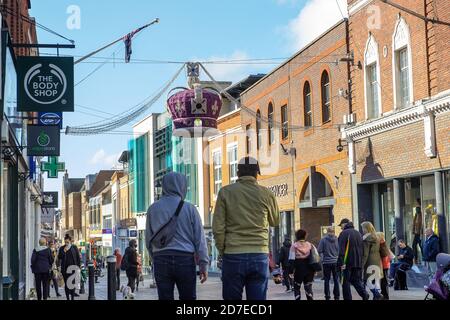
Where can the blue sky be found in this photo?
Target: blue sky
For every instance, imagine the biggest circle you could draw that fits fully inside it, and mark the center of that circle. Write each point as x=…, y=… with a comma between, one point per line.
x=188, y=30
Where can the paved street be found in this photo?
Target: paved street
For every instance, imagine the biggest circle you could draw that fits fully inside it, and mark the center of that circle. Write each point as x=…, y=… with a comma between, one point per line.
x=211, y=290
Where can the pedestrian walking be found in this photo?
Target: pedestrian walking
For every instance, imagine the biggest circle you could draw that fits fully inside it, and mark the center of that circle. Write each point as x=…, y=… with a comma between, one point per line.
x=243, y=213
x=430, y=251
x=284, y=263
x=69, y=261
x=329, y=253
x=350, y=260
x=41, y=264
x=54, y=272
x=404, y=262
x=417, y=231
x=386, y=258
x=301, y=270
x=371, y=261
x=130, y=264
x=176, y=241
x=118, y=265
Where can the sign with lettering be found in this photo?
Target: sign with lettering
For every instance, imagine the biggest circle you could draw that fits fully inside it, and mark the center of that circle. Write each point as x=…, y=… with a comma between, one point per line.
x=280, y=190
x=45, y=84
x=43, y=141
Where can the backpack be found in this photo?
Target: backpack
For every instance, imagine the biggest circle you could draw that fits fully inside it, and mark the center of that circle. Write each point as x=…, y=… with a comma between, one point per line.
x=124, y=263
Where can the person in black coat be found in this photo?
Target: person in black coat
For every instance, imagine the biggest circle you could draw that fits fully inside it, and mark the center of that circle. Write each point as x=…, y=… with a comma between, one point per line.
x=405, y=260
x=131, y=261
x=351, y=265
x=41, y=264
x=284, y=263
x=69, y=261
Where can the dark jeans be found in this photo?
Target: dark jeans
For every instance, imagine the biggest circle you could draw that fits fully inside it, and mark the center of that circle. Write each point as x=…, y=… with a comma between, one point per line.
x=303, y=274
x=249, y=270
x=394, y=268
x=417, y=242
x=328, y=271
x=132, y=276
x=353, y=276
x=42, y=285
x=53, y=279
x=179, y=270
x=287, y=281
x=70, y=293
x=385, y=284
x=117, y=279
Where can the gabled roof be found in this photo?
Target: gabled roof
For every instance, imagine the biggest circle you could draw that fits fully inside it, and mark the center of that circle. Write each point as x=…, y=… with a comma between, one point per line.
x=102, y=178
x=73, y=185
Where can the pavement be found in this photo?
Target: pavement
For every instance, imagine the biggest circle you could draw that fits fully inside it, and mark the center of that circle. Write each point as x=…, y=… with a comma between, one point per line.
x=212, y=290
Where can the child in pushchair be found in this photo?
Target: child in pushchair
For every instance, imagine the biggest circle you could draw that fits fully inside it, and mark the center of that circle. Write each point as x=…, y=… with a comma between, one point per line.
x=277, y=275
x=439, y=286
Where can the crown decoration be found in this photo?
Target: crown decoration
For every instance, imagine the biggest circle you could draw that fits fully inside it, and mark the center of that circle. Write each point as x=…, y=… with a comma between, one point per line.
x=194, y=110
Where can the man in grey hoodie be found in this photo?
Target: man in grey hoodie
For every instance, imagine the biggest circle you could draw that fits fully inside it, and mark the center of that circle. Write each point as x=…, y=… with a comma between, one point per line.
x=175, y=264
x=329, y=253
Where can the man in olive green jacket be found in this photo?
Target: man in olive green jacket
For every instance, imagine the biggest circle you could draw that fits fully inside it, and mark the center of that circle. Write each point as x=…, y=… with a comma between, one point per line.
x=243, y=213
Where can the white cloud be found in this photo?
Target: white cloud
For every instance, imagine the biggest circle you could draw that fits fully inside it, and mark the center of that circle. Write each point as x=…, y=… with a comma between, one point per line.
x=313, y=19
x=229, y=71
x=107, y=161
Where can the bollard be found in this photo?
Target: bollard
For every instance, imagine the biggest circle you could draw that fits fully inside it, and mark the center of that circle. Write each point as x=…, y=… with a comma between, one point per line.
x=91, y=281
x=111, y=260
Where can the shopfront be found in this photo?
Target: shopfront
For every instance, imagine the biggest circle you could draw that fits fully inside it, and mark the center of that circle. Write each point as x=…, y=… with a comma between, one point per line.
x=392, y=206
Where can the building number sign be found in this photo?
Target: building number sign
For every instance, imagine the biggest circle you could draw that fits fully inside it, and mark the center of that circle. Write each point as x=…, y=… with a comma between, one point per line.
x=280, y=190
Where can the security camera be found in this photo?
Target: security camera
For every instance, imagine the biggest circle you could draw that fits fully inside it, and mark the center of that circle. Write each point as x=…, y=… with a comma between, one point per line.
x=340, y=148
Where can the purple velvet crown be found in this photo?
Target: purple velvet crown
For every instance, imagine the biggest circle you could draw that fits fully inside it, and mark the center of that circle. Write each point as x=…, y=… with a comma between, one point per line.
x=193, y=109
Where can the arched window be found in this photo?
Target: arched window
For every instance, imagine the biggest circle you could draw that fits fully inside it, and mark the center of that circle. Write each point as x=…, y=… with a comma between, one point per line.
x=258, y=129
x=401, y=44
x=270, y=118
x=372, y=79
x=307, y=104
x=326, y=98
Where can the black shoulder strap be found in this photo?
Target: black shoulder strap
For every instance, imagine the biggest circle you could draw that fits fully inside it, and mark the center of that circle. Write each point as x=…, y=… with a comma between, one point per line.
x=177, y=213
x=180, y=206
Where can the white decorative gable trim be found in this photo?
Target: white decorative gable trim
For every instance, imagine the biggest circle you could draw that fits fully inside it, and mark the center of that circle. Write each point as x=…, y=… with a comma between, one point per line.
x=371, y=53
x=401, y=34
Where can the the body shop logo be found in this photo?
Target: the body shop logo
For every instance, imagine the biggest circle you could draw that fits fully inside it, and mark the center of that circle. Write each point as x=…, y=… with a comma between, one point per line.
x=45, y=84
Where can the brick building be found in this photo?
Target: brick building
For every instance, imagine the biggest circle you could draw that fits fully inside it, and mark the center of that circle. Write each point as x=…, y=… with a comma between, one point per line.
x=300, y=106
x=399, y=145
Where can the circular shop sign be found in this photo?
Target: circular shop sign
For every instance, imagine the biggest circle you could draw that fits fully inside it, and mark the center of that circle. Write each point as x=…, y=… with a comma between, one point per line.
x=45, y=84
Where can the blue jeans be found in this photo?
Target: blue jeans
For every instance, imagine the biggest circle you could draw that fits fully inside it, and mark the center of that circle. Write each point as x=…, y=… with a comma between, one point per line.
x=249, y=270
x=179, y=270
x=328, y=271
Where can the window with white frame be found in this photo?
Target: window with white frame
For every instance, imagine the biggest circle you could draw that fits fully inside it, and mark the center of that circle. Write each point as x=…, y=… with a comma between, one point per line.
x=217, y=165
x=233, y=161
x=402, y=65
x=372, y=79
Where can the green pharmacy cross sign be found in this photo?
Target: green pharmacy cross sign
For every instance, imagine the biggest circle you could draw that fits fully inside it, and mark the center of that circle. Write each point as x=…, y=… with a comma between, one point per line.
x=53, y=167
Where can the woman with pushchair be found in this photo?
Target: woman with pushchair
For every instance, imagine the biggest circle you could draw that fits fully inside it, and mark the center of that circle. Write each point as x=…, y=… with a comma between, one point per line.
x=439, y=286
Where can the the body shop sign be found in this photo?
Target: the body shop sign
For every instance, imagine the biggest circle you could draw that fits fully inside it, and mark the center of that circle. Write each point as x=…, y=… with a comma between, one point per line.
x=45, y=84
x=43, y=141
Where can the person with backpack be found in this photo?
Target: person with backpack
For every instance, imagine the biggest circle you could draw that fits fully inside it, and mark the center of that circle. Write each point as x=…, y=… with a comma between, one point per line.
x=130, y=264
x=41, y=265
x=176, y=241
x=284, y=263
x=69, y=261
x=300, y=265
x=350, y=260
x=329, y=252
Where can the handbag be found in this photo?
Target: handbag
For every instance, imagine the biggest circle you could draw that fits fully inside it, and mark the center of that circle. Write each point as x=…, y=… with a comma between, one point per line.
x=314, y=259
x=165, y=234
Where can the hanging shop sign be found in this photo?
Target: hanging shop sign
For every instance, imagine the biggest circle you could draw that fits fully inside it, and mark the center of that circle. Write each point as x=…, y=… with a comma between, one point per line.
x=53, y=167
x=43, y=141
x=50, y=119
x=280, y=190
x=45, y=84
x=49, y=200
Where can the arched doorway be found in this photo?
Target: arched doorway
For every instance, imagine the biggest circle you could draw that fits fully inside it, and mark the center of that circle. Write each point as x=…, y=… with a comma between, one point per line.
x=316, y=205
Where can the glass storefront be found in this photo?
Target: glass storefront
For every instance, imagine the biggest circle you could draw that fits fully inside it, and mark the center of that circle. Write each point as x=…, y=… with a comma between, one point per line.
x=429, y=203
x=387, y=210
x=412, y=197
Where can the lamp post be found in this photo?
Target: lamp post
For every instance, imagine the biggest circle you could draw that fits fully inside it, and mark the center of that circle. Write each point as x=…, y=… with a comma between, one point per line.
x=292, y=151
x=158, y=190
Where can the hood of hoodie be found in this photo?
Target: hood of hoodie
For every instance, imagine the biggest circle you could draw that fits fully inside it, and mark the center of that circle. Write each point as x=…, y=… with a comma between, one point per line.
x=331, y=238
x=41, y=248
x=287, y=243
x=174, y=184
